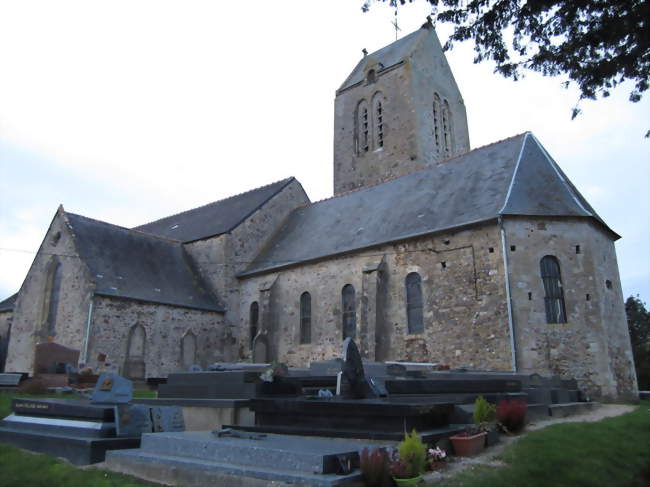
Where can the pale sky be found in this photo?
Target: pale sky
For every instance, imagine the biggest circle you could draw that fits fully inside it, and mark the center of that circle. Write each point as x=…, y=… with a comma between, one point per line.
x=128, y=111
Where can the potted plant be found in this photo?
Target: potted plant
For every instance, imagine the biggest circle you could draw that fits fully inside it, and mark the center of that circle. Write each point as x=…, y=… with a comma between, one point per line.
x=375, y=468
x=436, y=458
x=511, y=415
x=469, y=442
x=485, y=420
x=409, y=464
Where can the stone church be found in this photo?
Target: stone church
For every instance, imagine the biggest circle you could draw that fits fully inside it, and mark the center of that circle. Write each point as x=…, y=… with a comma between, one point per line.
x=427, y=251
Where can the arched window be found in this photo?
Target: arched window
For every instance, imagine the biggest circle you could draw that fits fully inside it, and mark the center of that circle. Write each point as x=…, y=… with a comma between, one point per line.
x=52, y=294
x=446, y=128
x=305, y=318
x=188, y=349
x=372, y=76
x=553, y=292
x=378, y=120
x=254, y=319
x=362, y=128
x=135, y=348
x=437, y=122
x=414, y=303
x=349, y=312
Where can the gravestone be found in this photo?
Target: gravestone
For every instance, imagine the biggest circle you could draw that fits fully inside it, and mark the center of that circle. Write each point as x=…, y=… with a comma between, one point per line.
x=112, y=389
x=351, y=382
x=50, y=357
x=167, y=419
x=132, y=420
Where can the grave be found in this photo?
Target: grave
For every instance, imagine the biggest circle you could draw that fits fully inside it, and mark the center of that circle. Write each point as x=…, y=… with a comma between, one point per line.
x=82, y=430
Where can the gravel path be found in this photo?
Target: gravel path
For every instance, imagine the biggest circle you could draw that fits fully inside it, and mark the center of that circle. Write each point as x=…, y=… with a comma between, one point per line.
x=489, y=456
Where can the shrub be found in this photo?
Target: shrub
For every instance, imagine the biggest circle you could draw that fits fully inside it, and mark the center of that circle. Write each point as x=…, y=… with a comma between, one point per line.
x=484, y=413
x=413, y=454
x=511, y=415
x=375, y=468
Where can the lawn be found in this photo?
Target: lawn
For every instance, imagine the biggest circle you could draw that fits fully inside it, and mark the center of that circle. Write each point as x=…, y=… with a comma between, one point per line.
x=19, y=468
x=614, y=452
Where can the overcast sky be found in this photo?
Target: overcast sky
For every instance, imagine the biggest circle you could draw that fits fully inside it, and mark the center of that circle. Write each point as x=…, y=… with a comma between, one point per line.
x=128, y=111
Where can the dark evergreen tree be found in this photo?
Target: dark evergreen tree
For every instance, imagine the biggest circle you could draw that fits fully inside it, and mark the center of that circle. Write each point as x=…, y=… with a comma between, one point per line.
x=638, y=322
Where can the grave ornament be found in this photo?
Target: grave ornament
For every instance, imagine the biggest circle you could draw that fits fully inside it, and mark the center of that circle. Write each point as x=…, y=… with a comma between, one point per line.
x=112, y=389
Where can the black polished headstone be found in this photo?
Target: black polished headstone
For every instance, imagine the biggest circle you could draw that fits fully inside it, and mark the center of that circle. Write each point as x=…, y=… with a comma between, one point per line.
x=62, y=408
x=351, y=381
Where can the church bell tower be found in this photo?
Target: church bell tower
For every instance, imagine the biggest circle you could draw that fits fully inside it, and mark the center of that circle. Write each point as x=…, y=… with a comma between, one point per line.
x=399, y=110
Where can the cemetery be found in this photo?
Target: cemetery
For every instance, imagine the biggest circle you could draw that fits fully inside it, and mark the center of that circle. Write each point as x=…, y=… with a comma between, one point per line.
x=329, y=424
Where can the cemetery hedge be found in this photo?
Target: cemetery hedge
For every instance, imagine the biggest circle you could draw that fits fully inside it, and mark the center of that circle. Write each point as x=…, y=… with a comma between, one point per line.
x=610, y=453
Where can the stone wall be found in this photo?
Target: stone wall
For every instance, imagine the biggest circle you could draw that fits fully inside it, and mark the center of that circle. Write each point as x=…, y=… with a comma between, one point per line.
x=593, y=346
x=5, y=326
x=465, y=315
x=164, y=327
x=32, y=306
x=220, y=258
x=408, y=93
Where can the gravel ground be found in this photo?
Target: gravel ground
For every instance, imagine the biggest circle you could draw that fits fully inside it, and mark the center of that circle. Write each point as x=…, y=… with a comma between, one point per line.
x=489, y=456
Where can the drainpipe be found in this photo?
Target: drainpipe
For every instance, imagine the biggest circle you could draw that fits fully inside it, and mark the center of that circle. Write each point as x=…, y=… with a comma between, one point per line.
x=511, y=325
x=90, y=319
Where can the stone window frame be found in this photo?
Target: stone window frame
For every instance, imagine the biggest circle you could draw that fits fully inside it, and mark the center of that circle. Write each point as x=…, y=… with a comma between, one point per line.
x=348, y=312
x=414, y=303
x=362, y=128
x=189, y=334
x=253, y=321
x=305, y=318
x=447, y=128
x=437, y=125
x=554, y=304
x=378, y=110
x=51, y=295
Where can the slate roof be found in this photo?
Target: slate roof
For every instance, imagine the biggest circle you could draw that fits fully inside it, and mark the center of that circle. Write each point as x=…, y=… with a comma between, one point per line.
x=388, y=56
x=512, y=177
x=214, y=218
x=9, y=303
x=131, y=264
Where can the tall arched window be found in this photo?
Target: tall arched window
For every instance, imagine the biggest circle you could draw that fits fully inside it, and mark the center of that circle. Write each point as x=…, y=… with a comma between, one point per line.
x=305, y=318
x=53, y=292
x=188, y=349
x=414, y=303
x=254, y=318
x=362, y=128
x=437, y=122
x=553, y=292
x=135, y=350
x=349, y=312
x=446, y=127
x=378, y=120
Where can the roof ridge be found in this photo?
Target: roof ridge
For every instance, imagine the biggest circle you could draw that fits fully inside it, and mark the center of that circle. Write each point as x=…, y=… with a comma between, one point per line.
x=212, y=203
x=133, y=230
x=443, y=161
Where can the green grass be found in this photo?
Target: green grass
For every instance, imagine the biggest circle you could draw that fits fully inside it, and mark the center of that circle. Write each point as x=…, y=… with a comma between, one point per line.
x=614, y=452
x=19, y=468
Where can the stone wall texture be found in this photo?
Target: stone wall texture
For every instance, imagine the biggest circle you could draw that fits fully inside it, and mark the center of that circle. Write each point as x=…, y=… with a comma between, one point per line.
x=32, y=307
x=220, y=258
x=465, y=314
x=594, y=345
x=164, y=326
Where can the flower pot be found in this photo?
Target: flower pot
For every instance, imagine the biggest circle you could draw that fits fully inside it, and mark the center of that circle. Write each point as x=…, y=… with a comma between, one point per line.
x=412, y=482
x=466, y=446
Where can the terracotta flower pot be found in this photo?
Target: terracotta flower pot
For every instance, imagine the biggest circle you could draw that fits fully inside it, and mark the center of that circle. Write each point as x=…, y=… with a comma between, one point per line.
x=466, y=446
